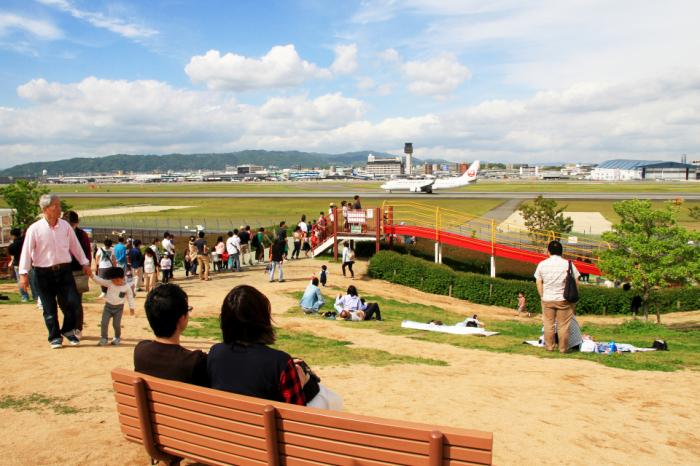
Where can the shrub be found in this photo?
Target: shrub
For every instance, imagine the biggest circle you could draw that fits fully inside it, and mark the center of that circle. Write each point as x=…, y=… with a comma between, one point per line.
x=482, y=289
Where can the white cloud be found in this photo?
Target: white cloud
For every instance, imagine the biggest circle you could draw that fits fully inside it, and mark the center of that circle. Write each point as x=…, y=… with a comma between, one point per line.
x=438, y=76
x=345, y=59
x=280, y=67
x=119, y=26
x=390, y=55
x=39, y=28
x=650, y=119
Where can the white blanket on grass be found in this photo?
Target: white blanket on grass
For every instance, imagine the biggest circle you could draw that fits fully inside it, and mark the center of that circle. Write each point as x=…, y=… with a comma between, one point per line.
x=453, y=329
x=622, y=347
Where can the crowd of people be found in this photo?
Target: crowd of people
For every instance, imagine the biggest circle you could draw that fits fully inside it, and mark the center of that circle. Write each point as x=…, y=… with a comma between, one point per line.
x=55, y=259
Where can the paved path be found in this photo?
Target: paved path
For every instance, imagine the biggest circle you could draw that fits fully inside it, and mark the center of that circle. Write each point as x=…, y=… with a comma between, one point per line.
x=503, y=211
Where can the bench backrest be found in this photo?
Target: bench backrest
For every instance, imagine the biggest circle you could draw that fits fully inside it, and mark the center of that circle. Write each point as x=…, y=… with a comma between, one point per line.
x=216, y=427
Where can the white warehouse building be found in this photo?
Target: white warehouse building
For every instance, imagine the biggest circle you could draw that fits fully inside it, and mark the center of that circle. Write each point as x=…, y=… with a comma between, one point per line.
x=627, y=170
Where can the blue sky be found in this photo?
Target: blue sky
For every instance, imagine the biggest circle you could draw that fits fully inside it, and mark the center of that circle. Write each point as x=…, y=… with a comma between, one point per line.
x=499, y=80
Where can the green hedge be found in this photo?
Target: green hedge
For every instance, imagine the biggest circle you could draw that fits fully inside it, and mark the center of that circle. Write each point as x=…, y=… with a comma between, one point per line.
x=482, y=289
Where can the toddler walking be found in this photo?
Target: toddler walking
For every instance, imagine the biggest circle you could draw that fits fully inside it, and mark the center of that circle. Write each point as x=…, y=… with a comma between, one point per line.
x=117, y=291
x=323, y=278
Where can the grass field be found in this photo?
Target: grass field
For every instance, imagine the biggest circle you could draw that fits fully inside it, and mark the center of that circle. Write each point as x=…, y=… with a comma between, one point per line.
x=224, y=211
x=684, y=343
x=606, y=209
x=365, y=186
x=317, y=351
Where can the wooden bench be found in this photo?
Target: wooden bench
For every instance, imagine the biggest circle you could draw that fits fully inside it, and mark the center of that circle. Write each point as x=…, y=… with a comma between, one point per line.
x=174, y=420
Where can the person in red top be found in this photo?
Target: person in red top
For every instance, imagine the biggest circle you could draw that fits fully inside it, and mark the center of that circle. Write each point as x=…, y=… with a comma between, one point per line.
x=244, y=363
x=48, y=247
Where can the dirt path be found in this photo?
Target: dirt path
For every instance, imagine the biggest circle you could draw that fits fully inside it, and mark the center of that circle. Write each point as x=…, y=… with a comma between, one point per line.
x=545, y=411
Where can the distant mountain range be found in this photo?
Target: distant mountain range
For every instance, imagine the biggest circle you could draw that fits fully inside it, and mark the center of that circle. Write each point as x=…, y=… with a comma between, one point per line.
x=191, y=162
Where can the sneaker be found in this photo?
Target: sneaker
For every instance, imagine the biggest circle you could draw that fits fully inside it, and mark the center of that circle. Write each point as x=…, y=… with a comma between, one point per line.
x=25, y=300
x=78, y=333
x=73, y=340
x=116, y=341
x=102, y=342
x=56, y=343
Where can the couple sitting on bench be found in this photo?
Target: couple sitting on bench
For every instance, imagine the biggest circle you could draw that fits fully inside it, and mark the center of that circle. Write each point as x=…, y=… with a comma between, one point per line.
x=243, y=363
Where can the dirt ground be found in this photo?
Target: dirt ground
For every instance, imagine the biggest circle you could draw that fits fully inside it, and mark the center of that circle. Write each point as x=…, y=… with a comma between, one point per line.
x=128, y=210
x=541, y=411
x=591, y=223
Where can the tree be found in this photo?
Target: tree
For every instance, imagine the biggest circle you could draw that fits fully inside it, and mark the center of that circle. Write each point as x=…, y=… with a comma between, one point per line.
x=650, y=250
x=544, y=215
x=23, y=196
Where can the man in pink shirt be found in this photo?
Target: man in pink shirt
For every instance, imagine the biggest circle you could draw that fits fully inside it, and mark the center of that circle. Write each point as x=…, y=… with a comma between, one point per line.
x=47, y=248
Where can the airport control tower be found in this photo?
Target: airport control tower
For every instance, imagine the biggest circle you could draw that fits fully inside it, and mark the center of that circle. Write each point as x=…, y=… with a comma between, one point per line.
x=408, y=150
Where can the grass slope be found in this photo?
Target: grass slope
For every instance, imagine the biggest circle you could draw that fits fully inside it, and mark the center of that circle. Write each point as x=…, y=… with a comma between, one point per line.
x=317, y=351
x=684, y=343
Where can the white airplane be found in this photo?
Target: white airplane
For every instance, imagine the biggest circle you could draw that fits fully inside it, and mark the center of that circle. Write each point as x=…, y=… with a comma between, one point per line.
x=428, y=185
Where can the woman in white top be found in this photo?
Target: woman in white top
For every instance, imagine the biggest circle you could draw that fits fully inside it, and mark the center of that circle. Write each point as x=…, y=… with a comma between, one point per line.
x=150, y=269
x=348, y=259
x=104, y=259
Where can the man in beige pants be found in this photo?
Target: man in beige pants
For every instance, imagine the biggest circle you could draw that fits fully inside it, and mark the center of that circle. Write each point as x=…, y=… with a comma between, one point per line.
x=551, y=278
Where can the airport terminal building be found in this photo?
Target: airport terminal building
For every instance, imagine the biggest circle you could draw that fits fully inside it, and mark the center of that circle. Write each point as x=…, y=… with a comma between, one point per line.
x=627, y=170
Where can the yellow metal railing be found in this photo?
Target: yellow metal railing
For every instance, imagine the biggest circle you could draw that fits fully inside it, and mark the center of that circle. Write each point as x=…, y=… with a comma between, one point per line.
x=504, y=234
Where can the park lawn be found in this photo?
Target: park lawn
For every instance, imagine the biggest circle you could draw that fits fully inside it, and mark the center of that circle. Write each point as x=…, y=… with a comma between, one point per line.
x=317, y=351
x=684, y=343
x=534, y=186
x=215, y=212
x=606, y=209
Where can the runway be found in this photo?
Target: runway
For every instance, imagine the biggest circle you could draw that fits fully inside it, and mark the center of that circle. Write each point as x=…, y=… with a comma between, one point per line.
x=381, y=195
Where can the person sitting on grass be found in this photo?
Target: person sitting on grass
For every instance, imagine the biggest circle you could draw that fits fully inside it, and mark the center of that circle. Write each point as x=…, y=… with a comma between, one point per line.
x=168, y=311
x=352, y=307
x=117, y=290
x=312, y=300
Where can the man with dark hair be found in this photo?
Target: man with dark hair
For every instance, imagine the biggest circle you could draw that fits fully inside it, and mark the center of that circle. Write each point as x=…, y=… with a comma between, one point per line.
x=551, y=277
x=202, y=256
x=312, y=300
x=168, y=311
x=244, y=245
x=120, y=252
x=356, y=205
x=81, y=280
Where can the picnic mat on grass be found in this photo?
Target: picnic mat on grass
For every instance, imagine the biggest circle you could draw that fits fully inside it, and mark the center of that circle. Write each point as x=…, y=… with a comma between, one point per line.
x=453, y=329
x=622, y=347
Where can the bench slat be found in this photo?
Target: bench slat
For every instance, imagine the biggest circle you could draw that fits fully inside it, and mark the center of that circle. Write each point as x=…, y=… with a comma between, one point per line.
x=342, y=447
x=223, y=412
x=235, y=454
x=329, y=457
x=331, y=433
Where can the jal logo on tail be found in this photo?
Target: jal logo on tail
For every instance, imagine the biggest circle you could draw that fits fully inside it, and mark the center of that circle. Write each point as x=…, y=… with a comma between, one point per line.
x=471, y=172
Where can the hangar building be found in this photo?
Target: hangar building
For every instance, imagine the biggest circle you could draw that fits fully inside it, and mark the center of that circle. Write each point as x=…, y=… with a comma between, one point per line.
x=625, y=170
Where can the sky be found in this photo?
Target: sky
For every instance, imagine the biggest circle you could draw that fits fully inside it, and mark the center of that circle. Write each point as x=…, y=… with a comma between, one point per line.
x=496, y=80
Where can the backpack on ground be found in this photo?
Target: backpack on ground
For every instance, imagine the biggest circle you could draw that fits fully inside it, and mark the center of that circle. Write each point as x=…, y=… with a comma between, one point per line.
x=659, y=345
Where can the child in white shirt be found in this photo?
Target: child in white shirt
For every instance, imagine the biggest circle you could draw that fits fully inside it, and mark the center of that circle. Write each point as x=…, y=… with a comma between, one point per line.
x=166, y=265
x=117, y=291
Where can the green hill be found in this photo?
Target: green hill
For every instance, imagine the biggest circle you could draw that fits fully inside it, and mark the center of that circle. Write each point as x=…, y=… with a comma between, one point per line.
x=189, y=162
